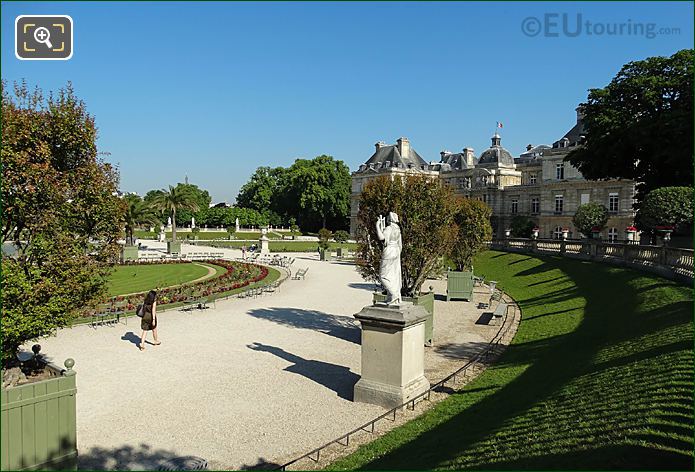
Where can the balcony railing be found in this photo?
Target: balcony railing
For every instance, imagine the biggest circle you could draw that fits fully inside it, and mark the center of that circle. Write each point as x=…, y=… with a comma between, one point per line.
x=670, y=262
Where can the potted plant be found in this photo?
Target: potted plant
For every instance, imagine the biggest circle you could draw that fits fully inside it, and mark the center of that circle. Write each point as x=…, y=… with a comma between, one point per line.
x=534, y=232
x=472, y=222
x=664, y=232
x=324, y=243
x=630, y=233
x=590, y=218
x=195, y=232
x=596, y=232
x=507, y=232
x=426, y=208
x=341, y=237
x=565, y=233
x=231, y=230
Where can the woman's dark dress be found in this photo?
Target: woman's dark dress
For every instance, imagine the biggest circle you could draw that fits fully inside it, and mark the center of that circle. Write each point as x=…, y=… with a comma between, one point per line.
x=147, y=322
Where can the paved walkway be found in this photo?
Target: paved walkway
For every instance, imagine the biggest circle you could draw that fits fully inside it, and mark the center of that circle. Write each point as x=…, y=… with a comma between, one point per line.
x=250, y=382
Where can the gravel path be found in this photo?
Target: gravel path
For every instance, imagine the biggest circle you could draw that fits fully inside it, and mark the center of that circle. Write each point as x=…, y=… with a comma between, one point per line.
x=249, y=382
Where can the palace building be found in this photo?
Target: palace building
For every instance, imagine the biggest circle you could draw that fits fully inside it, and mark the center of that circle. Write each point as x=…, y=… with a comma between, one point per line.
x=537, y=184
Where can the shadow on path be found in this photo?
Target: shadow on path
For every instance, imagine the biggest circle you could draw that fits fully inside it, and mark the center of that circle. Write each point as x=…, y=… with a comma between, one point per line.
x=341, y=327
x=334, y=377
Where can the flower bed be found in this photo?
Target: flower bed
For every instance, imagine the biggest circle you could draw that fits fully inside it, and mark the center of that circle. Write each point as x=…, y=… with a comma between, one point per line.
x=237, y=275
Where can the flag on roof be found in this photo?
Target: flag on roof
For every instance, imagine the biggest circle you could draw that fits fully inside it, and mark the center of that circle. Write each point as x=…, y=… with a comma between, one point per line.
x=500, y=125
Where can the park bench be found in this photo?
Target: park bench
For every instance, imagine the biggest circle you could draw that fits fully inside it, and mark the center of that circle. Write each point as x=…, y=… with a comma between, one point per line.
x=300, y=274
x=199, y=303
x=500, y=309
x=270, y=288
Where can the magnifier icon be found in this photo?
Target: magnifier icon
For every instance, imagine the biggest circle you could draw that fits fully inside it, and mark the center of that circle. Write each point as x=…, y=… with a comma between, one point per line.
x=42, y=35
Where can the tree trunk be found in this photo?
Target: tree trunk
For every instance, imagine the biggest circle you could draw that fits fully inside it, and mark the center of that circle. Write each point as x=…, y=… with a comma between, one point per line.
x=173, y=224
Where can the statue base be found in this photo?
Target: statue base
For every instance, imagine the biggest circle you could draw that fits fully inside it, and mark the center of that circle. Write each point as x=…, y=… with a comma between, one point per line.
x=264, y=244
x=393, y=354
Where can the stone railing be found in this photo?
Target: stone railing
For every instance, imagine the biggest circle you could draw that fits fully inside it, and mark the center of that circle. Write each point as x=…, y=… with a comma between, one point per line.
x=670, y=262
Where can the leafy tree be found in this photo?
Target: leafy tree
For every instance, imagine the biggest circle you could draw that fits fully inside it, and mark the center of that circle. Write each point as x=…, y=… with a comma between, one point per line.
x=640, y=126
x=325, y=236
x=294, y=231
x=60, y=210
x=195, y=232
x=137, y=213
x=426, y=210
x=231, y=230
x=473, y=230
x=667, y=206
x=341, y=236
x=318, y=191
x=522, y=226
x=201, y=197
x=176, y=198
x=589, y=216
x=262, y=190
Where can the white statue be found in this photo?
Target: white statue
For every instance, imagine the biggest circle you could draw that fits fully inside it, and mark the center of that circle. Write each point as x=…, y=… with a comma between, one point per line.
x=192, y=222
x=237, y=223
x=390, y=270
x=169, y=222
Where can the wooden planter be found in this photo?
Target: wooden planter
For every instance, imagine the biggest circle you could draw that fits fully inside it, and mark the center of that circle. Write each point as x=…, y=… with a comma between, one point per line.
x=425, y=300
x=129, y=253
x=324, y=255
x=459, y=285
x=39, y=423
x=174, y=247
x=342, y=252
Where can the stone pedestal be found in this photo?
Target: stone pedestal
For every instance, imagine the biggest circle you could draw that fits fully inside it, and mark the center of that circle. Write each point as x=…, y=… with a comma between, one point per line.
x=263, y=240
x=393, y=354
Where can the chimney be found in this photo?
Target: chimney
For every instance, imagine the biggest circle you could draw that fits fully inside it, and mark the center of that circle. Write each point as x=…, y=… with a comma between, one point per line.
x=580, y=115
x=379, y=144
x=403, y=147
x=529, y=147
x=469, y=156
x=442, y=154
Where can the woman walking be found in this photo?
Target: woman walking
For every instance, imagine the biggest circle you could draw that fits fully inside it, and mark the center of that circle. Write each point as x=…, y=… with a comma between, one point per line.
x=149, y=319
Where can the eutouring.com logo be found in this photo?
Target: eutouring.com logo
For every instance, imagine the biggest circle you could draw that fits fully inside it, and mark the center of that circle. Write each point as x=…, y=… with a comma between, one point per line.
x=555, y=25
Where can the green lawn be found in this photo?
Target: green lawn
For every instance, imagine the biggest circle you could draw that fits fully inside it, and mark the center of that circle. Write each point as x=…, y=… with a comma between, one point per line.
x=282, y=246
x=140, y=278
x=208, y=235
x=599, y=376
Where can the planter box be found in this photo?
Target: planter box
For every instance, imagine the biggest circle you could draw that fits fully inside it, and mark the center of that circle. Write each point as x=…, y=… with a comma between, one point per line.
x=459, y=285
x=342, y=252
x=129, y=253
x=425, y=300
x=39, y=424
x=324, y=255
x=173, y=247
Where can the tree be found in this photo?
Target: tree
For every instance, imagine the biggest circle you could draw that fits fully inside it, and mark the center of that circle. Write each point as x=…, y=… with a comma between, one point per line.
x=425, y=207
x=640, y=126
x=522, y=226
x=262, y=190
x=589, y=217
x=176, y=198
x=60, y=211
x=341, y=236
x=473, y=230
x=201, y=197
x=318, y=191
x=231, y=230
x=137, y=213
x=668, y=207
x=325, y=236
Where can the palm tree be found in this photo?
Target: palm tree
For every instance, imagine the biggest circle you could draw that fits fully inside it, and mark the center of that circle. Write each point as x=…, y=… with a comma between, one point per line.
x=137, y=213
x=176, y=198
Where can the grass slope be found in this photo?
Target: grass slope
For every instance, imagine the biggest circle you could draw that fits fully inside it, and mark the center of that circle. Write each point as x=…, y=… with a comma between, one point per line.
x=139, y=278
x=599, y=376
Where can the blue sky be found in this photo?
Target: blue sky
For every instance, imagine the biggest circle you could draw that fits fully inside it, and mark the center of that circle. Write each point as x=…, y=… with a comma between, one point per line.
x=214, y=90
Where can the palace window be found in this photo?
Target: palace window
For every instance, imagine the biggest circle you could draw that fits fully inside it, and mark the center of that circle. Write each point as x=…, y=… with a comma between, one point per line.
x=560, y=171
x=584, y=198
x=535, y=205
x=613, y=235
x=532, y=178
x=559, y=202
x=515, y=205
x=613, y=202
x=557, y=233
x=485, y=198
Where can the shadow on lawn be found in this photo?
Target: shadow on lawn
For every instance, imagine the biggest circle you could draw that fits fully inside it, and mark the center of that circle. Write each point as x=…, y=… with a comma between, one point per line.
x=143, y=457
x=581, y=396
x=341, y=327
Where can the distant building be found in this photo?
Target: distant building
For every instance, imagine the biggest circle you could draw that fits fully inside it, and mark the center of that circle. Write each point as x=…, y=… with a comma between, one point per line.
x=538, y=184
